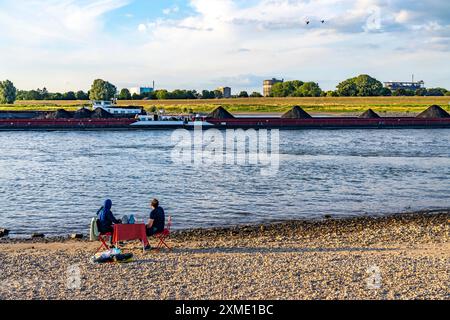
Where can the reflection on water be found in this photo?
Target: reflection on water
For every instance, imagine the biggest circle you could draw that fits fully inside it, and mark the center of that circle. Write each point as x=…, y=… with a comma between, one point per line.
x=54, y=182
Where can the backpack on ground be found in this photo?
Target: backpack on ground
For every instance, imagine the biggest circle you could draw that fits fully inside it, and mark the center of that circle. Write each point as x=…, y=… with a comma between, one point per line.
x=93, y=231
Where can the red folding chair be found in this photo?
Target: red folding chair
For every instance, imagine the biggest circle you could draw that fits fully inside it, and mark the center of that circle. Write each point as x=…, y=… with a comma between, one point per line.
x=162, y=236
x=103, y=237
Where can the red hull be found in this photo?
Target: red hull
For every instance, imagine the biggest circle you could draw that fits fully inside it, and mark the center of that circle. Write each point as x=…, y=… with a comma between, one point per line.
x=332, y=123
x=9, y=124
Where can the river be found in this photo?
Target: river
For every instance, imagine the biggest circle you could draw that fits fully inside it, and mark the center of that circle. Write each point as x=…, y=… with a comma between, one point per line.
x=54, y=182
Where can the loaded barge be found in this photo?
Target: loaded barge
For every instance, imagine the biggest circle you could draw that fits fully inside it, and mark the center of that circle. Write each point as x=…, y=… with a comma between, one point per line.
x=295, y=119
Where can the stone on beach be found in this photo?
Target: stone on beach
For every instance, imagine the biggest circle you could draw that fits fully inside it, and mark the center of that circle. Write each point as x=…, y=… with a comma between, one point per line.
x=4, y=232
x=76, y=236
x=37, y=236
x=303, y=259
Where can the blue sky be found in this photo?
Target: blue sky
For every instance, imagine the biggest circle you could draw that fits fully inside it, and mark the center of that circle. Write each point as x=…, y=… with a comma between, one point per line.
x=195, y=44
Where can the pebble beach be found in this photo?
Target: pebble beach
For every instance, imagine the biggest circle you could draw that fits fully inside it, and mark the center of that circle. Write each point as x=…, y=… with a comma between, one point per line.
x=403, y=256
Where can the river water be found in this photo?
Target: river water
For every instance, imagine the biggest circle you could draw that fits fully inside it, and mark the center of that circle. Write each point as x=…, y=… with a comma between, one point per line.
x=54, y=182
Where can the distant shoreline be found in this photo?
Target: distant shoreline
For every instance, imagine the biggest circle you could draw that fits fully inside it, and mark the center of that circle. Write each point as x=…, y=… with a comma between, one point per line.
x=252, y=229
x=335, y=105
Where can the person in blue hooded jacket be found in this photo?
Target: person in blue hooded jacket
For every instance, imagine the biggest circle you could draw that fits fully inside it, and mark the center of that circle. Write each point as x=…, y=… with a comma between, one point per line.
x=106, y=219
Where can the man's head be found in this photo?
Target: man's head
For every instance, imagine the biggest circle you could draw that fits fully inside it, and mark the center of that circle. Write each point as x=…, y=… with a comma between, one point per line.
x=155, y=204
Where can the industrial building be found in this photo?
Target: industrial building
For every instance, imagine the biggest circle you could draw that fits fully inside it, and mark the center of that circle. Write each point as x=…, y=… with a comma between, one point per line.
x=268, y=84
x=406, y=85
x=226, y=92
x=142, y=90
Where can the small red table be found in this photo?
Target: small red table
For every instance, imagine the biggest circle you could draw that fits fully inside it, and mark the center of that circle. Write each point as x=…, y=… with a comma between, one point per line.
x=128, y=232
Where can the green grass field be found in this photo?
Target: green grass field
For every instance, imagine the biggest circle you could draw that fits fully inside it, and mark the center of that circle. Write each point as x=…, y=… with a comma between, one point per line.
x=262, y=105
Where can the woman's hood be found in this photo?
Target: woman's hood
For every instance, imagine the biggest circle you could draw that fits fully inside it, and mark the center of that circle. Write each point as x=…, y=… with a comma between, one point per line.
x=108, y=205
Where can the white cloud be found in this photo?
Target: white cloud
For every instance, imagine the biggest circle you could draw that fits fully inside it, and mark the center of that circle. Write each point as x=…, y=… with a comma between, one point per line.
x=233, y=41
x=50, y=20
x=142, y=27
x=171, y=10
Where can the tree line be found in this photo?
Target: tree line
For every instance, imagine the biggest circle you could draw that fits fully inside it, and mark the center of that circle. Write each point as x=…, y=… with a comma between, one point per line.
x=180, y=95
x=360, y=86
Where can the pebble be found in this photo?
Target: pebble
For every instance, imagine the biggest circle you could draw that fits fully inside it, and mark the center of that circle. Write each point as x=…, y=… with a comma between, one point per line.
x=4, y=232
x=324, y=259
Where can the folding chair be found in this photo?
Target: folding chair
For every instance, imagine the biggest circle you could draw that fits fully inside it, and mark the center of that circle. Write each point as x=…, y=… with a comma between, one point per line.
x=162, y=236
x=102, y=238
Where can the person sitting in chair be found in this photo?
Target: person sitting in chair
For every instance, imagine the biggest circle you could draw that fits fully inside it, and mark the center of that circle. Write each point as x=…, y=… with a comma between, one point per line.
x=106, y=219
x=157, y=220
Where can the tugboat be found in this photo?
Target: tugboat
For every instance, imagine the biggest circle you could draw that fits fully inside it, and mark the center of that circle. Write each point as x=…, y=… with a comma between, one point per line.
x=162, y=121
x=118, y=111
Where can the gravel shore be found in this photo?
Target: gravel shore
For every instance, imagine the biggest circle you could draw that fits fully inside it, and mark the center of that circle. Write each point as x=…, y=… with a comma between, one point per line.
x=402, y=256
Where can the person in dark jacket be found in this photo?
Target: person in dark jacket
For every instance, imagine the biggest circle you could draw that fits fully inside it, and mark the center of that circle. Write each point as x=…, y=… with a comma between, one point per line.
x=157, y=220
x=106, y=219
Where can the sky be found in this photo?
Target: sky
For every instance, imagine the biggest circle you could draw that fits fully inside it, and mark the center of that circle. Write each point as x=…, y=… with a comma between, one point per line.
x=64, y=45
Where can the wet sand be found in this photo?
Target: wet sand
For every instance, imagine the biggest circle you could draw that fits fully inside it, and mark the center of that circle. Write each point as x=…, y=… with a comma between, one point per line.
x=398, y=257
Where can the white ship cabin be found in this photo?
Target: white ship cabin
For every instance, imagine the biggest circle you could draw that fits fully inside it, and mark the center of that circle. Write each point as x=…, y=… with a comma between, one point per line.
x=113, y=109
x=157, y=117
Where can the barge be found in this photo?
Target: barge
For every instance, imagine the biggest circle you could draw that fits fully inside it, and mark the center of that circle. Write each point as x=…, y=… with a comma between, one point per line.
x=295, y=119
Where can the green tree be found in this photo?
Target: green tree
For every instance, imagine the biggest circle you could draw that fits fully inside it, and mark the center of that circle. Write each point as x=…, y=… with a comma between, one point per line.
x=436, y=92
x=162, y=95
x=421, y=92
x=70, y=96
x=243, y=94
x=43, y=93
x=368, y=86
x=308, y=89
x=56, y=96
x=347, y=88
x=125, y=94
x=403, y=92
x=256, y=95
x=362, y=86
x=81, y=95
x=8, y=92
x=332, y=93
x=136, y=96
x=218, y=94
x=286, y=89
x=385, y=92
x=102, y=90
x=278, y=90
x=206, y=94
x=192, y=94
